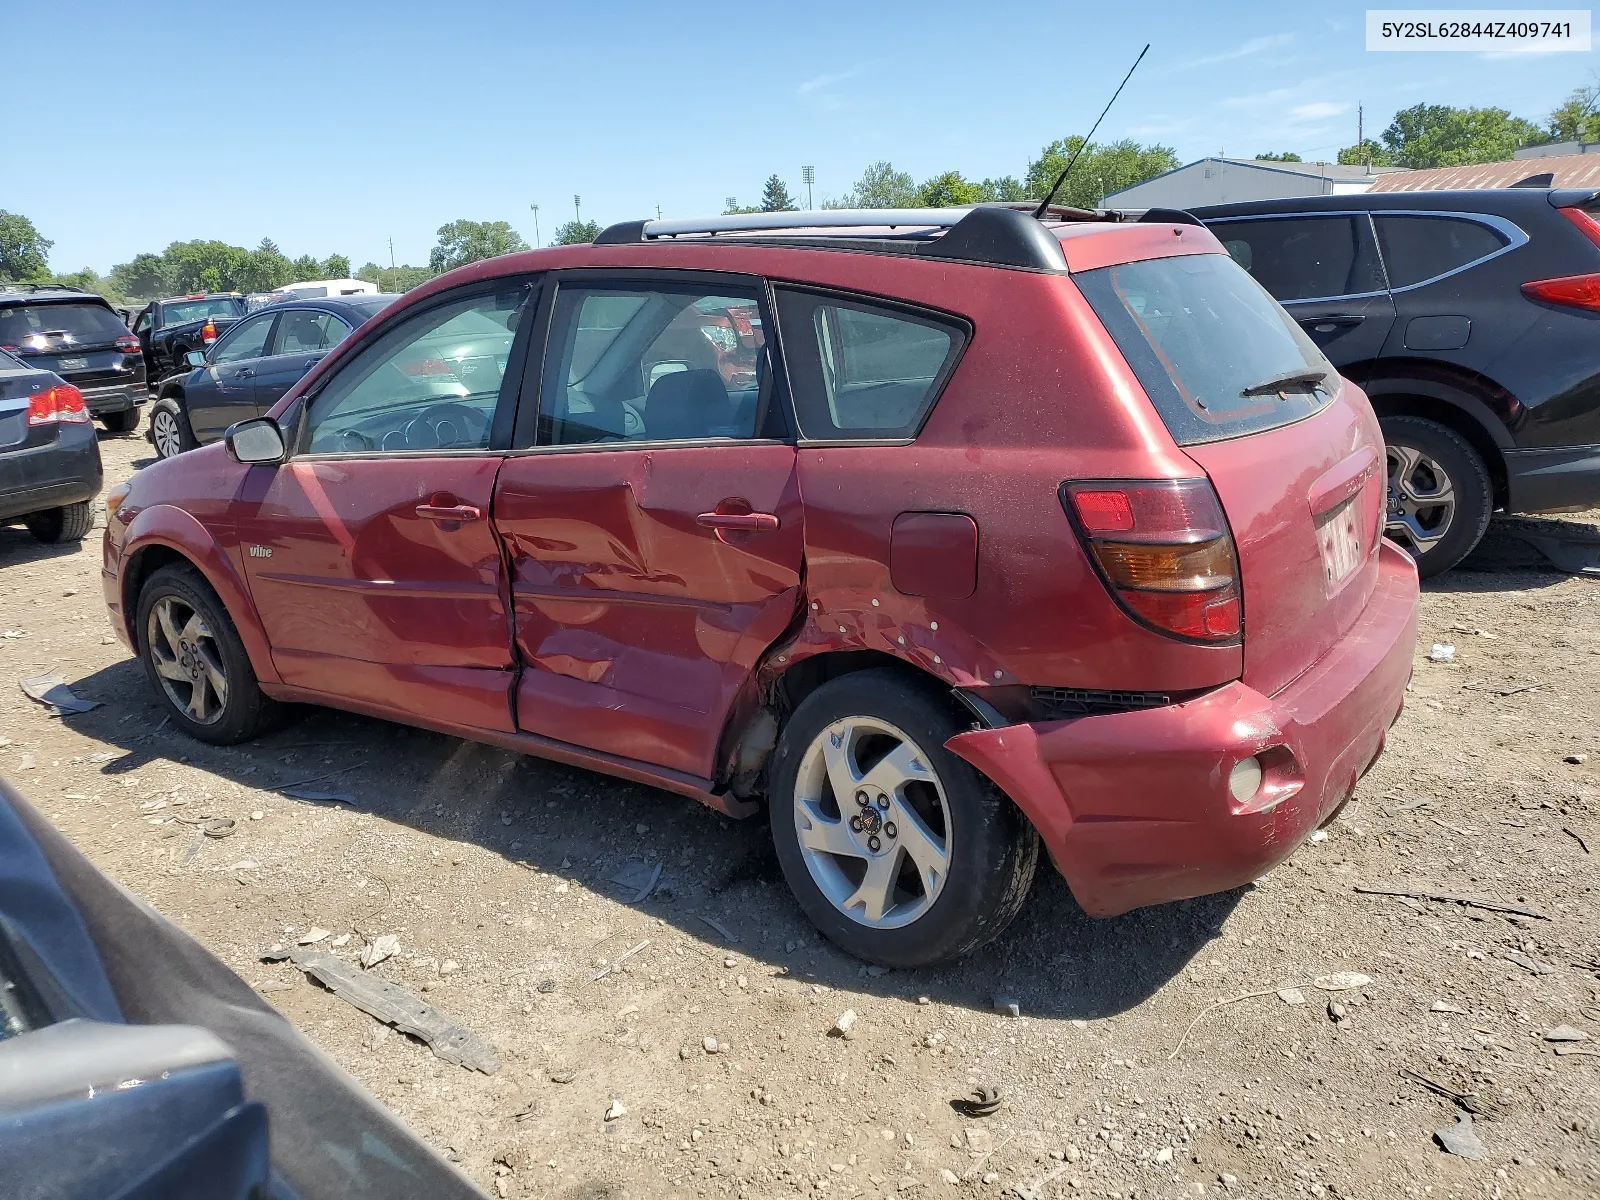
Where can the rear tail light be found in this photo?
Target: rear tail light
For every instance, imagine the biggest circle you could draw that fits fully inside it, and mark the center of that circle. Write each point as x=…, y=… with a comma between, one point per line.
x=61, y=404
x=1573, y=291
x=128, y=344
x=208, y=332
x=1164, y=549
x=1585, y=221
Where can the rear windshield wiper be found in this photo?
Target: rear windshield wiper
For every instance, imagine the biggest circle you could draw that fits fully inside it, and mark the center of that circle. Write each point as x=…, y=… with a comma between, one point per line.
x=1278, y=383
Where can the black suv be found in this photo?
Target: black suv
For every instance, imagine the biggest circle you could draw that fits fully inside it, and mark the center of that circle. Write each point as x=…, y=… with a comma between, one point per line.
x=1472, y=319
x=81, y=338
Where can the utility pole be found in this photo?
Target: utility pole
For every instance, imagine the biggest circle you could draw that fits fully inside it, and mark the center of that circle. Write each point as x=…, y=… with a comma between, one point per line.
x=658, y=212
x=1361, y=134
x=733, y=203
x=391, y=254
x=577, y=207
x=809, y=174
x=536, y=240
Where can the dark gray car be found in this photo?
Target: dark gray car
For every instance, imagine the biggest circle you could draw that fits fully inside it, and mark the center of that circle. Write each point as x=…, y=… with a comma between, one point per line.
x=81, y=338
x=251, y=366
x=49, y=455
x=1470, y=319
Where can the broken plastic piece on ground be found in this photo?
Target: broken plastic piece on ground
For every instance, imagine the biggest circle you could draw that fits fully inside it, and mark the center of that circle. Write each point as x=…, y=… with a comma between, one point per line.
x=52, y=692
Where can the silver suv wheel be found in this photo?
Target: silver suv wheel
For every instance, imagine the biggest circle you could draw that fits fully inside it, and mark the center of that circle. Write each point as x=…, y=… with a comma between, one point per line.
x=1422, y=500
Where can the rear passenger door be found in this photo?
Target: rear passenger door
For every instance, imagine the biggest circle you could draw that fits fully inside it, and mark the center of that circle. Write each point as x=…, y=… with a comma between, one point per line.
x=1426, y=256
x=302, y=338
x=651, y=512
x=1325, y=270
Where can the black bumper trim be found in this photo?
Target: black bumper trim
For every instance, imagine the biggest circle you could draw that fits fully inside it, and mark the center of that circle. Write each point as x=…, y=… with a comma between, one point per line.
x=1542, y=480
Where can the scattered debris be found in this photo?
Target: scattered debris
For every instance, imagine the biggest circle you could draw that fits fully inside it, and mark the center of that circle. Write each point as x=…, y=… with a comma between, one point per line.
x=983, y=1102
x=1006, y=1006
x=1453, y=828
x=1337, y=1013
x=380, y=948
x=1459, y=1139
x=1341, y=981
x=1566, y=1051
x=1215, y=1004
x=212, y=827
x=316, y=797
x=617, y=1109
x=313, y=935
x=709, y=1044
x=546, y=986
x=1291, y=995
x=1529, y=964
x=609, y=967
x=1164, y=1156
x=1575, y=836
x=340, y=940
x=1566, y=1033
x=283, y=788
x=58, y=699
x=1318, y=835
x=1466, y=1100
x=843, y=1024
x=1442, y=652
x=565, y=1076
x=1444, y=1006
x=1576, y=760
x=392, y=1004
x=1407, y=806
x=1448, y=898
x=720, y=928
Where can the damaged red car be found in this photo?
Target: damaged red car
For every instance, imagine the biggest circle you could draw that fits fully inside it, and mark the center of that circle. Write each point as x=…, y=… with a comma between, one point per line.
x=938, y=535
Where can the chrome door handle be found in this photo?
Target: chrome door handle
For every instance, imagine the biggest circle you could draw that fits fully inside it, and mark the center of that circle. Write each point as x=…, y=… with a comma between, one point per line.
x=449, y=512
x=243, y=373
x=756, y=522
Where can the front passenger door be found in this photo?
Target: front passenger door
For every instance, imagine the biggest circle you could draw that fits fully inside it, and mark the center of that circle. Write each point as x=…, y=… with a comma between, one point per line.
x=1325, y=271
x=369, y=551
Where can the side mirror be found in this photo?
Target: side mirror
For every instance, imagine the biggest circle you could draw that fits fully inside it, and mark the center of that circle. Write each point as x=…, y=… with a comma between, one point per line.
x=195, y=358
x=258, y=440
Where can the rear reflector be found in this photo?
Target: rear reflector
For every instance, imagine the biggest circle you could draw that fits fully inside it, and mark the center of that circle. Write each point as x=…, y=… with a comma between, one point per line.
x=1573, y=291
x=1163, y=548
x=62, y=404
x=1585, y=221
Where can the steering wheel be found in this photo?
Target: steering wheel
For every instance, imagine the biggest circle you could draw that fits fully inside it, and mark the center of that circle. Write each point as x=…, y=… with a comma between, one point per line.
x=447, y=426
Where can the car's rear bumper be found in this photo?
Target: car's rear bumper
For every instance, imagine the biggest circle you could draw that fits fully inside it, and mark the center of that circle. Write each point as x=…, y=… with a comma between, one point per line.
x=62, y=472
x=1135, y=807
x=1545, y=480
x=116, y=397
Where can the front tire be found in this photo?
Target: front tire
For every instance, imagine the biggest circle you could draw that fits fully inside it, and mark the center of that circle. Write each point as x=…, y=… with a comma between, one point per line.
x=170, y=432
x=933, y=863
x=69, y=524
x=194, y=659
x=125, y=421
x=1440, y=494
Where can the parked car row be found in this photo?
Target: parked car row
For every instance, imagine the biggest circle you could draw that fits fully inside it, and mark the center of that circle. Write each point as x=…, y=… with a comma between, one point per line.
x=1471, y=319
x=944, y=547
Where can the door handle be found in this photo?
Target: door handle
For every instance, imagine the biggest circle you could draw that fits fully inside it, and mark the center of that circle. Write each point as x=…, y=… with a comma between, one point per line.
x=449, y=512
x=1333, y=320
x=750, y=522
x=243, y=373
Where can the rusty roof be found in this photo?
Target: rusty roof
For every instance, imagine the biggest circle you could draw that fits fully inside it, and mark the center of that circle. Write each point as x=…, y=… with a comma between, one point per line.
x=1570, y=171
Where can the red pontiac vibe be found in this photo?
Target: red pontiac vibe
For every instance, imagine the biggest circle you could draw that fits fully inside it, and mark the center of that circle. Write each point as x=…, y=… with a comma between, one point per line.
x=941, y=534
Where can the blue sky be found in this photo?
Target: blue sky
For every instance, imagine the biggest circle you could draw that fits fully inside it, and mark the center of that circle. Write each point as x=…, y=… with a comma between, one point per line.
x=332, y=127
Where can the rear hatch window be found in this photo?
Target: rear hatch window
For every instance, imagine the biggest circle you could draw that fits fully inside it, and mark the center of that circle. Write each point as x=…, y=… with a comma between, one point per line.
x=1214, y=352
x=198, y=310
x=56, y=328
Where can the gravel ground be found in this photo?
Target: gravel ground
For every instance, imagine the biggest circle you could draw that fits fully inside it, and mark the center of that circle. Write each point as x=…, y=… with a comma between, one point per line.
x=710, y=1032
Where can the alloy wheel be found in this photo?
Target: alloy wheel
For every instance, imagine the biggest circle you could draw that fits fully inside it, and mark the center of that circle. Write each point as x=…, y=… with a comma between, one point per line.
x=873, y=822
x=164, y=430
x=187, y=659
x=1422, y=500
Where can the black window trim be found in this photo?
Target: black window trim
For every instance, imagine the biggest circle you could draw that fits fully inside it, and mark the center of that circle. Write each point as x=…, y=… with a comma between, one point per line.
x=525, y=439
x=354, y=346
x=1514, y=234
x=960, y=326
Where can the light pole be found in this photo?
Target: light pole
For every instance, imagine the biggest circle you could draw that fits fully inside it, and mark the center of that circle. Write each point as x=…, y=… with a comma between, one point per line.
x=809, y=174
x=733, y=203
x=536, y=240
x=577, y=207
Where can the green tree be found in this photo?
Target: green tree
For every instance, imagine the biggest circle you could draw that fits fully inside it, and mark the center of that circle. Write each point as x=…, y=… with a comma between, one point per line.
x=305, y=267
x=947, y=191
x=394, y=279
x=1100, y=170
x=1436, y=135
x=575, y=233
x=1578, y=119
x=775, y=196
x=1366, y=153
x=336, y=266
x=144, y=278
x=208, y=266
x=24, y=251
x=880, y=186
x=267, y=268
x=88, y=280
x=462, y=242
x=1279, y=156
x=1006, y=190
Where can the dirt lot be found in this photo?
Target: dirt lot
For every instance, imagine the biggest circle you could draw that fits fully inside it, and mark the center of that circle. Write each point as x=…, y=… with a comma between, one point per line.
x=495, y=873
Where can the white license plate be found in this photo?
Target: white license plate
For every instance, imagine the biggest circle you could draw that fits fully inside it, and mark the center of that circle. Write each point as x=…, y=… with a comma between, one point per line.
x=73, y=364
x=1339, y=535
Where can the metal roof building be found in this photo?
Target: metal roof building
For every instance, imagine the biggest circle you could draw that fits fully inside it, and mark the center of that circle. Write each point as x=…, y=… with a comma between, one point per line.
x=1562, y=171
x=1229, y=180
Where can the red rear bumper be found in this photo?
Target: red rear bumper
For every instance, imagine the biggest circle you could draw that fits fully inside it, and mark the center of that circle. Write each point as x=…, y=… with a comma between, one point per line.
x=1135, y=808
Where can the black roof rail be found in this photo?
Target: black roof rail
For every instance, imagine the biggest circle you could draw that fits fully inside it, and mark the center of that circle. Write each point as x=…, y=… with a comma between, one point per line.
x=1171, y=216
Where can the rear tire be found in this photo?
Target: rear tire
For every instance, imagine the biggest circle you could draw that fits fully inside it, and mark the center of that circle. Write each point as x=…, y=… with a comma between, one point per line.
x=125, y=421
x=170, y=433
x=196, y=663
x=1440, y=495
x=862, y=872
x=69, y=524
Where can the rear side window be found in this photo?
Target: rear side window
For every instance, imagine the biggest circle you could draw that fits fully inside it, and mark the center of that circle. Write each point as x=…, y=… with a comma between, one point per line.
x=861, y=370
x=1305, y=258
x=198, y=310
x=1215, y=354
x=55, y=327
x=1421, y=248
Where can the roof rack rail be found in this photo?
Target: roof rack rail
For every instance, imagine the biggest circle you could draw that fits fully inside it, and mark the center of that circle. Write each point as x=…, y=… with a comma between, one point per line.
x=997, y=234
x=1170, y=216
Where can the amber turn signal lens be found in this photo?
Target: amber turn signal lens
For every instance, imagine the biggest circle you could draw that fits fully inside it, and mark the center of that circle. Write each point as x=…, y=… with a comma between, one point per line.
x=115, y=497
x=1167, y=568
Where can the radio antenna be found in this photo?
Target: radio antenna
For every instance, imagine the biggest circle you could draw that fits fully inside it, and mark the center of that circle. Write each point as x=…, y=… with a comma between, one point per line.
x=1044, y=205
